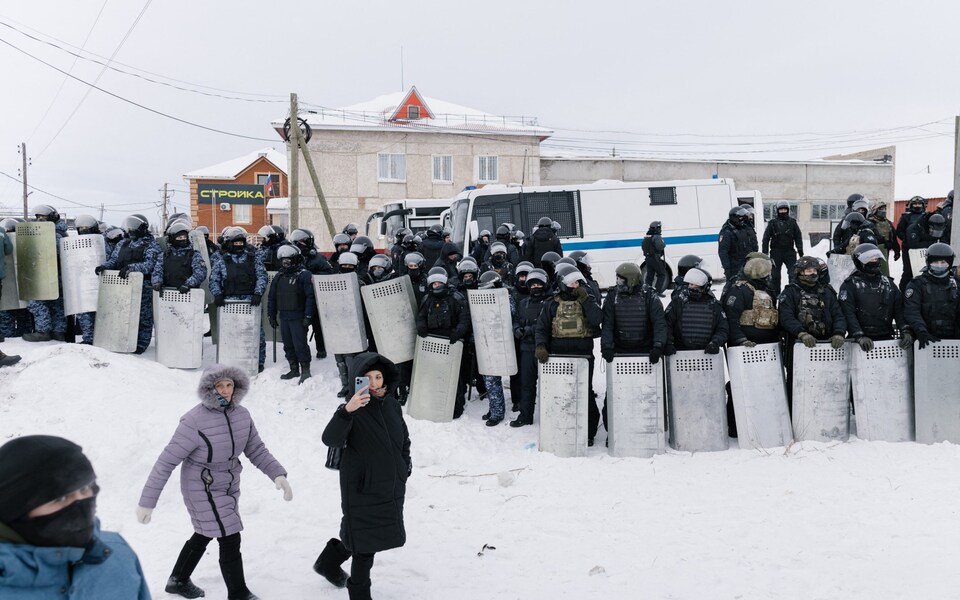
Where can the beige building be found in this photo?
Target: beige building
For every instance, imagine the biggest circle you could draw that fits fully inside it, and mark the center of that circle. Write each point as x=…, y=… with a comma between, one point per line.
x=405, y=145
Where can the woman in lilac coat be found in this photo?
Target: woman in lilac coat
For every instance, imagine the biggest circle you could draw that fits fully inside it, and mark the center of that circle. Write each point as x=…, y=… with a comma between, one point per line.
x=208, y=443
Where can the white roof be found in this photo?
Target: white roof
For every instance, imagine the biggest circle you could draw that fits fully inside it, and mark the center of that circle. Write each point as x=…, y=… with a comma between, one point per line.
x=231, y=168
x=547, y=153
x=448, y=118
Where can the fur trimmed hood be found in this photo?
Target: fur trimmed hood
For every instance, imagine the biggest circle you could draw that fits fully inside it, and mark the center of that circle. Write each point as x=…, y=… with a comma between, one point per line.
x=214, y=373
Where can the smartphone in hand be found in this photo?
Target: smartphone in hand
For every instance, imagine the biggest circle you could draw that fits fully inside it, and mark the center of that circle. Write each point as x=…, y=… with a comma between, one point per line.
x=359, y=383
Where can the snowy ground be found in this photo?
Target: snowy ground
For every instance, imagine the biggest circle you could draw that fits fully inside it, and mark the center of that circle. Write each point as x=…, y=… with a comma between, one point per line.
x=853, y=520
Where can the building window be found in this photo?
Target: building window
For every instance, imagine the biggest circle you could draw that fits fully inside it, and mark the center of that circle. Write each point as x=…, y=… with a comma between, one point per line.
x=242, y=213
x=487, y=169
x=413, y=112
x=273, y=181
x=770, y=209
x=443, y=169
x=392, y=167
x=827, y=211
x=663, y=196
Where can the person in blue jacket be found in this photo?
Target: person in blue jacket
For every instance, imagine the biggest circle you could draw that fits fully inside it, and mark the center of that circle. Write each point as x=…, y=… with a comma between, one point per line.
x=51, y=545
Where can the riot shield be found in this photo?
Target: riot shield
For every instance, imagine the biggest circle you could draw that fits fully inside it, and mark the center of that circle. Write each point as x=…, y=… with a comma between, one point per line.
x=562, y=398
x=270, y=334
x=918, y=259
x=392, y=310
x=80, y=256
x=341, y=313
x=759, y=396
x=493, y=332
x=698, y=401
x=118, y=311
x=239, y=336
x=433, y=387
x=37, y=261
x=936, y=379
x=179, y=324
x=635, y=416
x=10, y=297
x=883, y=392
x=840, y=266
x=821, y=393
x=200, y=245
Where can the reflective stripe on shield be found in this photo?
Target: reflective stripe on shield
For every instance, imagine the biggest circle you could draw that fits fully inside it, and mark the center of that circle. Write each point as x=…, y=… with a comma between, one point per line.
x=10, y=298
x=821, y=393
x=80, y=256
x=882, y=392
x=759, y=396
x=936, y=380
x=634, y=400
x=118, y=311
x=392, y=308
x=178, y=320
x=433, y=388
x=37, y=261
x=239, y=336
x=493, y=332
x=698, y=401
x=341, y=313
x=562, y=398
x=840, y=266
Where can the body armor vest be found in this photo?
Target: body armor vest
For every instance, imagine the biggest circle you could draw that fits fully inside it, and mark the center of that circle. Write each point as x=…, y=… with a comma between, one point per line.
x=130, y=254
x=874, y=305
x=939, y=307
x=761, y=314
x=630, y=311
x=289, y=294
x=570, y=322
x=177, y=268
x=241, y=279
x=696, y=324
x=812, y=313
x=440, y=314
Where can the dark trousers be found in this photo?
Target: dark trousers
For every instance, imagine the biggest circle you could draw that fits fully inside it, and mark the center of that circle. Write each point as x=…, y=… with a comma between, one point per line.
x=229, y=545
x=360, y=568
x=294, y=335
x=515, y=381
x=780, y=259
x=468, y=372
x=406, y=375
x=656, y=273
x=318, y=333
x=527, y=373
x=907, y=275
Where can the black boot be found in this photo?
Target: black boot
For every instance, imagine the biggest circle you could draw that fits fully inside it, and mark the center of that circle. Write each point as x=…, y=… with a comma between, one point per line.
x=304, y=372
x=358, y=592
x=179, y=582
x=345, y=385
x=294, y=371
x=330, y=560
x=8, y=359
x=236, y=584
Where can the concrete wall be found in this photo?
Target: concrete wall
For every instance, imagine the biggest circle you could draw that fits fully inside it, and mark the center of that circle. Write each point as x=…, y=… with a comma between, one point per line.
x=347, y=166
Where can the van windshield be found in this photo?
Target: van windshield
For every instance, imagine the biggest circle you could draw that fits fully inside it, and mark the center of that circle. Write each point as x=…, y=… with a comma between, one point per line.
x=394, y=223
x=459, y=217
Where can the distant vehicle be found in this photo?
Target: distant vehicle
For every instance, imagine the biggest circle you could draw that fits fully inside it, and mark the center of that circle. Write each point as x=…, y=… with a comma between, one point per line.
x=610, y=219
x=415, y=215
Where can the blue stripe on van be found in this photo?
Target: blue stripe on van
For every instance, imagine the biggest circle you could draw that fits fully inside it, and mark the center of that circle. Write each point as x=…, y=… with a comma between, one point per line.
x=605, y=244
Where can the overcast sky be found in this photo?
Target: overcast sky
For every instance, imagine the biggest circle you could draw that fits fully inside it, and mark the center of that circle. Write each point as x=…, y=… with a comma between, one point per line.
x=695, y=79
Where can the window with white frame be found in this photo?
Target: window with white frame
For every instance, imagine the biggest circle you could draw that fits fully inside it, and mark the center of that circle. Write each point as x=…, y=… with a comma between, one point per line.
x=770, y=209
x=827, y=211
x=273, y=179
x=242, y=213
x=487, y=169
x=392, y=167
x=443, y=169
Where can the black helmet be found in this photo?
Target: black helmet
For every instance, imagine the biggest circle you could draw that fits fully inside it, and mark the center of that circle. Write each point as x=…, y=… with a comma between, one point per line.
x=289, y=256
x=435, y=231
x=178, y=230
x=351, y=229
x=361, y=244
x=544, y=222
x=341, y=239
x=804, y=263
x=566, y=260
x=446, y=232
x=917, y=200
x=853, y=221
x=304, y=239
x=940, y=251
x=45, y=212
x=937, y=225
x=688, y=262
x=437, y=275
x=268, y=234
x=86, y=224
x=489, y=280
x=738, y=214
x=516, y=236
x=409, y=242
x=550, y=257
x=380, y=266
x=565, y=279
x=580, y=257
x=136, y=226
x=503, y=233
x=524, y=266
x=655, y=227
x=236, y=239
x=485, y=232
x=853, y=198
x=401, y=234
x=867, y=253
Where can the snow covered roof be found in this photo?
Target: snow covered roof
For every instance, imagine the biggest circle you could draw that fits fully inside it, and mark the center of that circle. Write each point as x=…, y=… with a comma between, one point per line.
x=548, y=153
x=382, y=114
x=232, y=168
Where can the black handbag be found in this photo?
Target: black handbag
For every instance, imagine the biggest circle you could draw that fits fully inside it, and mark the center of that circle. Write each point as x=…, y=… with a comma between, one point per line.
x=334, y=456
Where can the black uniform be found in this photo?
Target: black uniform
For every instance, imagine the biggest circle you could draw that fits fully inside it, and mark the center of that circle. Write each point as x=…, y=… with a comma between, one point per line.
x=446, y=316
x=291, y=305
x=653, y=248
x=746, y=318
x=633, y=322
x=870, y=304
x=783, y=241
x=736, y=242
x=814, y=310
x=317, y=264
x=931, y=306
x=524, y=325
x=543, y=240
x=504, y=270
x=695, y=323
x=430, y=249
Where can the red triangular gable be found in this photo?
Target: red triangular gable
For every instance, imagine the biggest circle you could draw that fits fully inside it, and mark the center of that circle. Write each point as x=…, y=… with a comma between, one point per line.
x=413, y=98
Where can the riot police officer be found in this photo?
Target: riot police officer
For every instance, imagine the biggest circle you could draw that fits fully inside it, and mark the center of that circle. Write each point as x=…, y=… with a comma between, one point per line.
x=926, y=231
x=273, y=238
x=871, y=302
x=633, y=321
x=397, y=251
x=291, y=305
x=179, y=267
x=341, y=244
x=504, y=233
x=444, y=312
x=432, y=245
x=239, y=276
x=50, y=320
x=783, y=241
x=379, y=269
x=886, y=234
x=735, y=242
x=316, y=263
x=686, y=262
x=931, y=301
x=695, y=319
x=541, y=241
x=524, y=324
x=653, y=251
x=499, y=263
x=480, y=247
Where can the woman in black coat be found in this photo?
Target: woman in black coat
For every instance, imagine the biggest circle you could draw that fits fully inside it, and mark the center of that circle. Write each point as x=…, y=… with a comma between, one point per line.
x=373, y=473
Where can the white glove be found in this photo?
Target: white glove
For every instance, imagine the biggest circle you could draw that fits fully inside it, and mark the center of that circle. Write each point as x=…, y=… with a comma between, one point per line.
x=282, y=483
x=143, y=514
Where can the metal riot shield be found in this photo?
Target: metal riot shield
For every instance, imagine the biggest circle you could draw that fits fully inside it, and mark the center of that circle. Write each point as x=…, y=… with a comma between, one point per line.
x=698, y=401
x=562, y=397
x=821, y=393
x=341, y=313
x=200, y=245
x=433, y=387
x=493, y=332
x=270, y=334
x=118, y=311
x=918, y=259
x=840, y=266
x=79, y=256
x=935, y=386
x=635, y=416
x=883, y=392
x=178, y=320
x=10, y=297
x=239, y=336
x=759, y=396
x=392, y=310
x=37, y=261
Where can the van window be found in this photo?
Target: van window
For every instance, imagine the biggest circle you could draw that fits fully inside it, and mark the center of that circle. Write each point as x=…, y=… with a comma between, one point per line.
x=662, y=196
x=490, y=211
x=562, y=207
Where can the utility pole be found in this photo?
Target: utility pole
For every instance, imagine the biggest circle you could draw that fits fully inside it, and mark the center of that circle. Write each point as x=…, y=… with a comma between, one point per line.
x=101, y=212
x=163, y=209
x=294, y=165
x=23, y=177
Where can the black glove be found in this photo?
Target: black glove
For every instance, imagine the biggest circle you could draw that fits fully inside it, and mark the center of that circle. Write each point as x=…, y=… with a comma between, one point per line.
x=307, y=321
x=711, y=348
x=255, y=300
x=896, y=256
x=124, y=272
x=184, y=289
x=582, y=294
x=748, y=344
x=607, y=354
x=669, y=350
x=454, y=338
x=906, y=340
x=274, y=323
x=925, y=337
x=219, y=300
x=99, y=269
x=655, y=355
x=518, y=333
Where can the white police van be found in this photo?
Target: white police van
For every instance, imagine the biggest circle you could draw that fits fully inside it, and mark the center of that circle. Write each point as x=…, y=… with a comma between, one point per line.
x=608, y=220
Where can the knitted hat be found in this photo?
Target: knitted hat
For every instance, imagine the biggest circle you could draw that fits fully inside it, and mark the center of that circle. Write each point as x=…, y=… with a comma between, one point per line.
x=36, y=469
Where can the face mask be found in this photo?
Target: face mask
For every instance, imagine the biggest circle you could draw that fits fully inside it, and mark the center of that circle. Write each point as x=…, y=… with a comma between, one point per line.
x=916, y=209
x=71, y=527
x=414, y=273
x=694, y=293
x=521, y=283
x=760, y=284
x=936, y=233
x=377, y=272
x=881, y=214
x=439, y=292
x=287, y=264
x=346, y=268
x=497, y=260
x=181, y=242
x=783, y=215
x=940, y=270
x=808, y=280
x=538, y=291
x=237, y=248
x=873, y=268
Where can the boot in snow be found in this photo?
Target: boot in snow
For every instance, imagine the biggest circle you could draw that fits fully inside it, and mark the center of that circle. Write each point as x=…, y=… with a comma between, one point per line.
x=330, y=560
x=179, y=582
x=345, y=385
x=236, y=584
x=358, y=592
x=8, y=359
x=294, y=371
x=304, y=372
